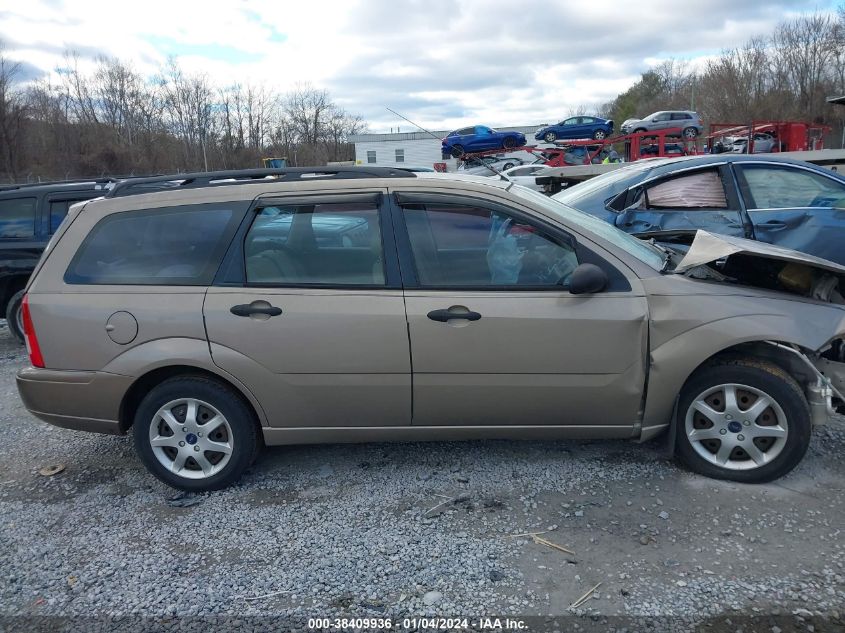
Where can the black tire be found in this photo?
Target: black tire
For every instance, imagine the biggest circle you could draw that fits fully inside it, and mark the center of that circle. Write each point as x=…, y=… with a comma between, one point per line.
x=457, y=151
x=640, y=129
x=245, y=440
x=599, y=135
x=509, y=142
x=14, y=316
x=550, y=137
x=771, y=381
x=690, y=133
x=506, y=166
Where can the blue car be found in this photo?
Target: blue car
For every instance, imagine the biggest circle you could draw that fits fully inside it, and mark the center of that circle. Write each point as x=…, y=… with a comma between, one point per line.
x=480, y=138
x=576, y=127
x=784, y=202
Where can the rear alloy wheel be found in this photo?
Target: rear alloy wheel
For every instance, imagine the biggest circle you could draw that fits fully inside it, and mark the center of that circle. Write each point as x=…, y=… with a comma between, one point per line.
x=550, y=137
x=690, y=133
x=743, y=420
x=14, y=315
x=599, y=135
x=195, y=434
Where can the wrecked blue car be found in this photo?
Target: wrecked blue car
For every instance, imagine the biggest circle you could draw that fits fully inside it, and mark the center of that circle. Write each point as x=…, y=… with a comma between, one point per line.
x=785, y=202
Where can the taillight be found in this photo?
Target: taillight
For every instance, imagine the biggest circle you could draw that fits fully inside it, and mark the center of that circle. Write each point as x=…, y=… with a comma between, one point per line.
x=29, y=335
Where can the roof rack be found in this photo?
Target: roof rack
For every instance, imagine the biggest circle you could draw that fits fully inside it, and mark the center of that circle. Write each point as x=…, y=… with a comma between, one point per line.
x=49, y=183
x=178, y=182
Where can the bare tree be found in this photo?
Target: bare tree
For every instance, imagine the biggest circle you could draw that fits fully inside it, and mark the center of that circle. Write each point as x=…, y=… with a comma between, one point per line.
x=12, y=117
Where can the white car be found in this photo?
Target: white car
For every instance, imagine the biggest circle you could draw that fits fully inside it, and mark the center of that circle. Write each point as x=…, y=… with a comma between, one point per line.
x=526, y=175
x=482, y=166
x=763, y=143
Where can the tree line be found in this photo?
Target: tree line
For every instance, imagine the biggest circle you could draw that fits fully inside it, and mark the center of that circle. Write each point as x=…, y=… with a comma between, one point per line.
x=787, y=75
x=113, y=120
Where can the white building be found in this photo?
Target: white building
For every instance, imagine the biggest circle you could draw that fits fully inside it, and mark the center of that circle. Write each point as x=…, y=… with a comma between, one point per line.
x=417, y=149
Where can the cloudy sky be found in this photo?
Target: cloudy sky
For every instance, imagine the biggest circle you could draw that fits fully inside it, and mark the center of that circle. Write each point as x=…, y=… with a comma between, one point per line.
x=442, y=63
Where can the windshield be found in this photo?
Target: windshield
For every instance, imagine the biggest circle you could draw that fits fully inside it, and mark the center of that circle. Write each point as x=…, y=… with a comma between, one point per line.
x=583, y=189
x=643, y=251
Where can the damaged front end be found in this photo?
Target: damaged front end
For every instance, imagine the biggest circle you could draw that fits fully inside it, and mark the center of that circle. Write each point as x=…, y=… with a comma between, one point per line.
x=759, y=265
x=748, y=263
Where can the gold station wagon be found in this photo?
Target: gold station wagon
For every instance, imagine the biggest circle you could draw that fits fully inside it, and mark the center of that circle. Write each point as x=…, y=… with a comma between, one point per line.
x=211, y=314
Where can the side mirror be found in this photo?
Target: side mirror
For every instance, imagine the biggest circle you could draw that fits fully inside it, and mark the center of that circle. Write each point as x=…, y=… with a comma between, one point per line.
x=587, y=279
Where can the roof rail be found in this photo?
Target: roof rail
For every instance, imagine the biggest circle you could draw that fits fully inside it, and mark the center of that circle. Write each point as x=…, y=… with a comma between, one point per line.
x=176, y=182
x=47, y=183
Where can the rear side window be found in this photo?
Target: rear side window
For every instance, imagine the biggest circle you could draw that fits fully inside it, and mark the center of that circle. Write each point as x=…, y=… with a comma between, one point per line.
x=333, y=244
x=17, y=217
x=58, y=211
x=168, y=246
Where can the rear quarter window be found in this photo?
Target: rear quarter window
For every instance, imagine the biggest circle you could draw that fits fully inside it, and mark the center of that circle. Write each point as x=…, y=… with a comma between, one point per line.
x=166, y=246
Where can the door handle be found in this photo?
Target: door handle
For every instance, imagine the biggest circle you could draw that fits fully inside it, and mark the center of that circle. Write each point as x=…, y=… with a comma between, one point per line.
x=446, y=315
x=773, y=224
x=248, y=309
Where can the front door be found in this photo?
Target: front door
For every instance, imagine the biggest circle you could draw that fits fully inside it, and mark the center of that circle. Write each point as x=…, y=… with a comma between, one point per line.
x=308, y=313
x=795, y=207
x=496, y=338
x=683, y=203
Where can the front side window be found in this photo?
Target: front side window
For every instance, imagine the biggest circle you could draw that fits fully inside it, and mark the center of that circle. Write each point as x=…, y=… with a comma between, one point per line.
x=699, y=190
x=781, y=187
x=471, y=245
x=572, y=121
x=336, y=244
x=371, y=156
x=663, y=116
x=169, y=246
x=17, y=217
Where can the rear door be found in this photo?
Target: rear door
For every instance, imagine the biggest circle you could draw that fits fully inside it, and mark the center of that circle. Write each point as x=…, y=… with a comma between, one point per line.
x=795, y=207
x=496, y=338
x=308, y=312
x=701, y=198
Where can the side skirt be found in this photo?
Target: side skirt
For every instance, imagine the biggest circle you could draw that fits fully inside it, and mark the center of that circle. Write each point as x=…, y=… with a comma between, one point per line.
x=335, y=434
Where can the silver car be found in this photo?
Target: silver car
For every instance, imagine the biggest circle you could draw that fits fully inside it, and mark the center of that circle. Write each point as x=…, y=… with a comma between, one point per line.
x=690, y=123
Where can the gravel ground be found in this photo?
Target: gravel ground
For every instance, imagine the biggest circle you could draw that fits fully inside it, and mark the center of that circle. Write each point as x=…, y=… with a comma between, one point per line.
x=401, y=530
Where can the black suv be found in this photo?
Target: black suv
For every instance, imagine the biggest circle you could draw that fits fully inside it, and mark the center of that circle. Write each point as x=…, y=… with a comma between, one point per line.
x=29, y=215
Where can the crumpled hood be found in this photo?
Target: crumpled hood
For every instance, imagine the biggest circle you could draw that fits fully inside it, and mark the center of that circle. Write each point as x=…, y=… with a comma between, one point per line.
x=708, y=247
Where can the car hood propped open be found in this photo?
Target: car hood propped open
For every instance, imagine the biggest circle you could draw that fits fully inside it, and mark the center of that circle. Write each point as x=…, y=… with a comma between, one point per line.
x=750, y=263
x=708, y=247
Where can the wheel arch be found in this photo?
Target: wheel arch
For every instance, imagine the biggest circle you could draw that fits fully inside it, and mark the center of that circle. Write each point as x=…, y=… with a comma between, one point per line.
x=675, y=360
x=147, y=381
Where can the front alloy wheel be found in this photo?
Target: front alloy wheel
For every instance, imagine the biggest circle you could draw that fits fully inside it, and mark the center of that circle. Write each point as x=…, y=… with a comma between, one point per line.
x=550, y=137
x=743, y=419
x=736, y=427
x=599, y=135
